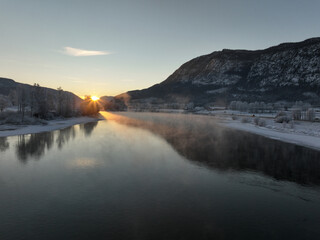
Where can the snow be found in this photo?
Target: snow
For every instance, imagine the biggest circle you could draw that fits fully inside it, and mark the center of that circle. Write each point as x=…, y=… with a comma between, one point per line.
x=11, y=109
x=301, y=133
x=294, y=137
x=219, y=90
x=12, y=130
x=297, y=132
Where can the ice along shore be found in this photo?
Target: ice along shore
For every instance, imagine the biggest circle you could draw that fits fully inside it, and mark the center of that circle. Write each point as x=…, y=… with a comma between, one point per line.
x=13, y=130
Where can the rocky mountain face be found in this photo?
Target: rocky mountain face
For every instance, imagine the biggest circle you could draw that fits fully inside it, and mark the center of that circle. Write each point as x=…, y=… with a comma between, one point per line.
x=289, y=72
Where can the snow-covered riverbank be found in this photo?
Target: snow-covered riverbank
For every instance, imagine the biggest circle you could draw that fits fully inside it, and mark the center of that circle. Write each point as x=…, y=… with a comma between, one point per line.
x=300, y=132
x=290, y=137
x=12, y=130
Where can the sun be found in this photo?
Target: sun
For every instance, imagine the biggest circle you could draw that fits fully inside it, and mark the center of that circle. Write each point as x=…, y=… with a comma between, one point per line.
x=94, y=98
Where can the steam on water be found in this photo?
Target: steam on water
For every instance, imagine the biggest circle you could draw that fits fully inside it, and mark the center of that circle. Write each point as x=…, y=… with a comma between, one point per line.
x=202, y=140
x=156, y=176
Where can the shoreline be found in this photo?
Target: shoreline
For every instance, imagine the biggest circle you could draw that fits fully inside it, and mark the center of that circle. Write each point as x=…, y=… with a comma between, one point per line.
x=284, y=135
x=292, y=138
x=15, y=130
x=305, y=134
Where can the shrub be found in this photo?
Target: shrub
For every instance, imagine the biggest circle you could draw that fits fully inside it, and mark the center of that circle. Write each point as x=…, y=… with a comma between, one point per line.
x=262, y=123
x=11, y=118
x=256, y=120
x=259, y=122
x=282, y=117
x=245, y=120
x=15, y=118
x=4, y=115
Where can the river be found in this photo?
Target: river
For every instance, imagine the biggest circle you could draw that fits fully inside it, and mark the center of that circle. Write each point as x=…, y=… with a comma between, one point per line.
x=157, y=176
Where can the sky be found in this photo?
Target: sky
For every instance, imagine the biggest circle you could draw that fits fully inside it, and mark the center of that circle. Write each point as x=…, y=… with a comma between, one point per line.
x=101, y=47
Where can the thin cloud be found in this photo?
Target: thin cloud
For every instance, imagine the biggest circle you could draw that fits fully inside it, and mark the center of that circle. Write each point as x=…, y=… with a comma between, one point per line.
x=81, y=52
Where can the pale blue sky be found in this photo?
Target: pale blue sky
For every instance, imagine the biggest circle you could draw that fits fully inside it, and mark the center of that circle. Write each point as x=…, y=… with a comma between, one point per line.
x=145, y=40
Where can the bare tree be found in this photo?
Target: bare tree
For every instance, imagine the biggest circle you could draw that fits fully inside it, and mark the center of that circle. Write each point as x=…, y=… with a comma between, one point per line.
x=296, y=114
x=310, y=114
x=32, y=101
x=68, y=105
x=60, y=100
x=13, y=97
x=41, y=100
x=22, y=101
x=3, y=103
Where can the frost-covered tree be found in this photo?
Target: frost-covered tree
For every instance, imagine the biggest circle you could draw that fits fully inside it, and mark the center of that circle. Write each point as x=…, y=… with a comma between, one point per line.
x=253, y=107
x=242, y=106
x=233, y=105
x=23, y=101
x=41, y=100
x=296, y=114
x=310, y=114
x=13, y=97
x=3, y=103
x=60, y=100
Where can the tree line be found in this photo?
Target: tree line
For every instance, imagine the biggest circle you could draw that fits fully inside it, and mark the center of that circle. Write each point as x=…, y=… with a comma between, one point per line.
x=298, y=110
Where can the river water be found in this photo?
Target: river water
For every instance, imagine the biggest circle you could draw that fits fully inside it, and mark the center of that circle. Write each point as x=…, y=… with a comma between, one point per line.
x=157, y=176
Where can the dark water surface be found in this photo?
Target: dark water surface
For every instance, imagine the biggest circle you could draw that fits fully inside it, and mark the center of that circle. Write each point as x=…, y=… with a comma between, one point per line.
x=157, y=176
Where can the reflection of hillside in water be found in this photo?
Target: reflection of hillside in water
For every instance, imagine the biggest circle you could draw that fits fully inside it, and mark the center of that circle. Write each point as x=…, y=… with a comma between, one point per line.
x=199, y=139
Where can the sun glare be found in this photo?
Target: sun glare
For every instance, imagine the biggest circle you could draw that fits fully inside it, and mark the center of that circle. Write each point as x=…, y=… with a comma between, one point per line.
x=94, y=98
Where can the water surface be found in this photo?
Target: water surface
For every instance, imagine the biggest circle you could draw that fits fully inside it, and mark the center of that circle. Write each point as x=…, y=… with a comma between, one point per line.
x=157, y=176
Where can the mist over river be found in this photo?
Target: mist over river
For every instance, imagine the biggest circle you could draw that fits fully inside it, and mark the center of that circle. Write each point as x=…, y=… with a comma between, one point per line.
x=156, y=176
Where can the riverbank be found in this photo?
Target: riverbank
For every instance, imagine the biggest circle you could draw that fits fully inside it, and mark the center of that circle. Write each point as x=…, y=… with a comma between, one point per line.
x=284, y=135
x=12, y=130
x=301, y=133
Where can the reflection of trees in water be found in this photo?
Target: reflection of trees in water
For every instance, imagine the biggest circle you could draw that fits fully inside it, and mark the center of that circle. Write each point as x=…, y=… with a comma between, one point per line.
x=4, y=144
x=64, y=136
x=34, y=146
x=200, y=140
x=87, y=128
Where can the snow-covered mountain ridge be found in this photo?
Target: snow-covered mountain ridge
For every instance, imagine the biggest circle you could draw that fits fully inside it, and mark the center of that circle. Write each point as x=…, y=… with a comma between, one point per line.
x=289, y=71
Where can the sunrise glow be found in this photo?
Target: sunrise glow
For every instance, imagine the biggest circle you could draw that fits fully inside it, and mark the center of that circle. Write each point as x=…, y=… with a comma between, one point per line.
x=94, y=98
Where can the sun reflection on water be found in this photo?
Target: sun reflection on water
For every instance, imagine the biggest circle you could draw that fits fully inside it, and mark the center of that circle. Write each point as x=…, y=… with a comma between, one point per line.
x=84, y=163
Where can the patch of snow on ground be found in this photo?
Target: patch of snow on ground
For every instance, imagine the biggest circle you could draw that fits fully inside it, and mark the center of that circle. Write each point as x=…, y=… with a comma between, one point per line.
x=12, y=130
x=298, y=132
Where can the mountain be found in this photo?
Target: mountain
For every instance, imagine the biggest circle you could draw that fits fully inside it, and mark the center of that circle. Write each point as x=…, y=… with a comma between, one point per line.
x=9, y=86
x=287, y=72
